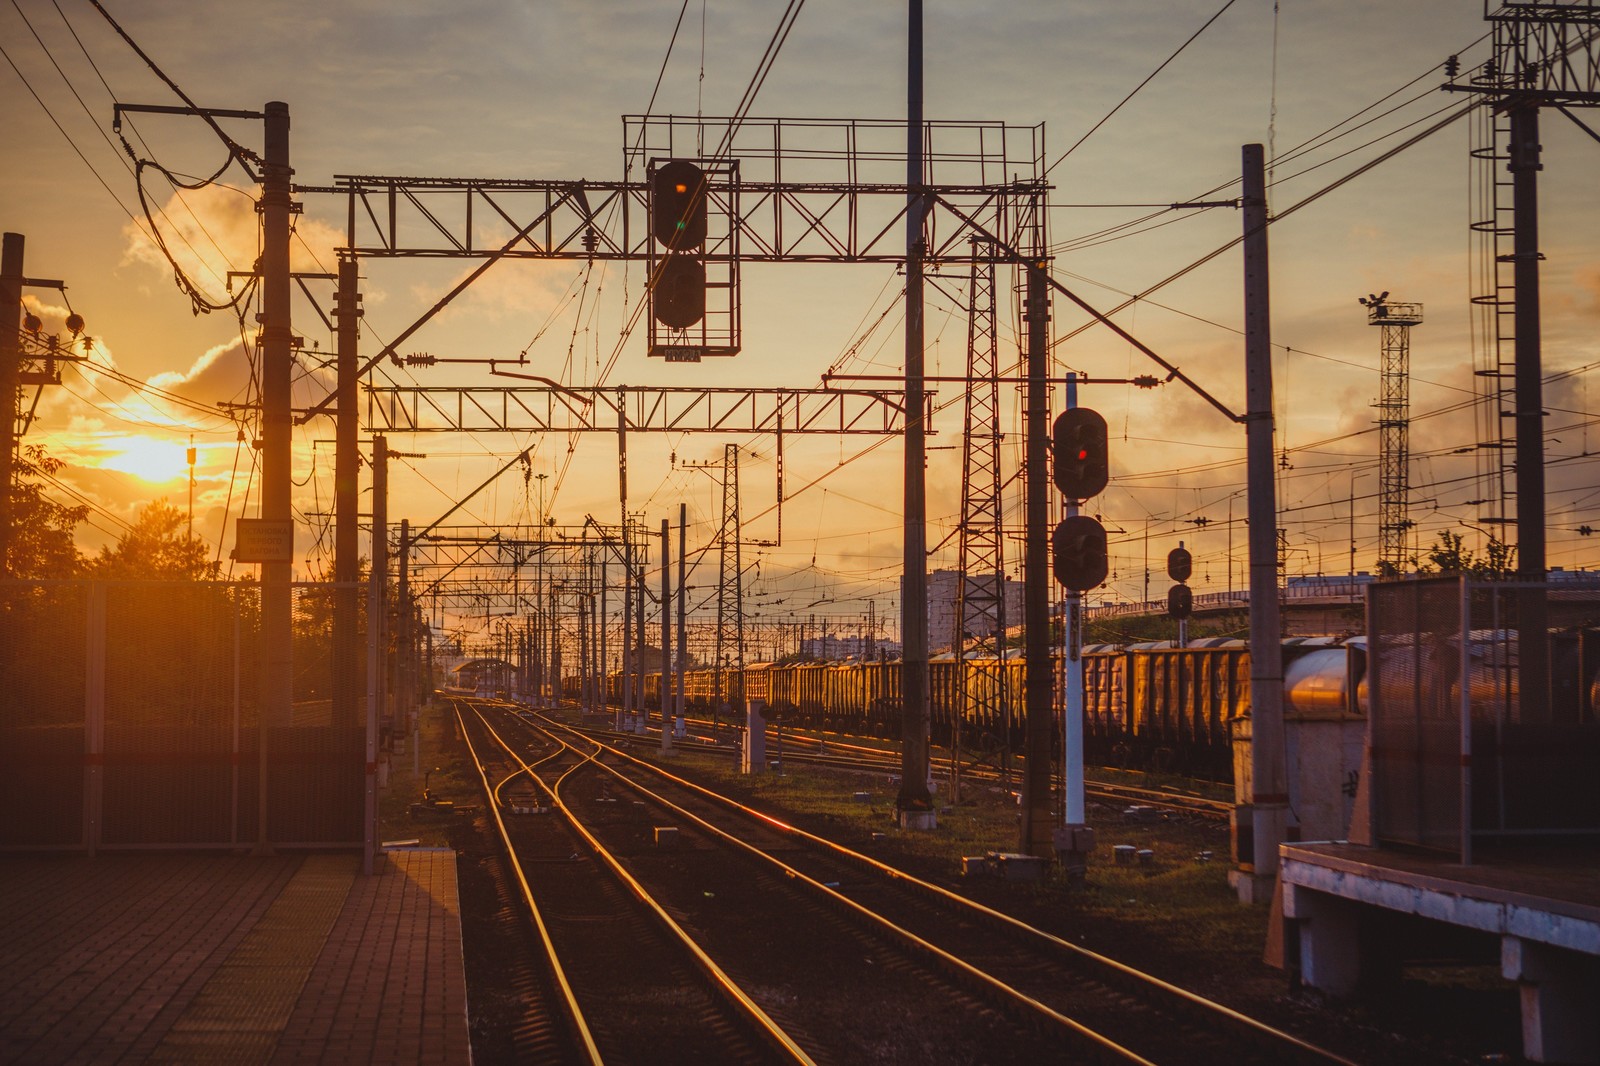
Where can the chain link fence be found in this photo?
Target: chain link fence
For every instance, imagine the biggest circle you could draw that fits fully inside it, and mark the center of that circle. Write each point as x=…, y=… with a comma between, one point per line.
x=1484, y=701
x=130, y=717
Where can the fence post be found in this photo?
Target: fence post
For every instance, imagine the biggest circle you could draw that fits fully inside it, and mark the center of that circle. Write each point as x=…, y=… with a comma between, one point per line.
x=94, y=717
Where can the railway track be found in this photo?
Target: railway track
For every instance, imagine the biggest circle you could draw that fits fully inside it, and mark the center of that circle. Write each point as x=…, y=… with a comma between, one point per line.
x=629, y=985
x=983, y=986
x=808, y=749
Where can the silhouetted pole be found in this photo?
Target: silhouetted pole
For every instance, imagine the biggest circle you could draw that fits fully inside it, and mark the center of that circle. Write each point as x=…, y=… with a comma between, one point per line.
x=1269, y=776
x=375, y=637
x=666, y=635
x=914, y=800
x=10, y=369
x=346, y=501
x=1038, y=681
x=679, y=727
x=1524, y=166
x=277, y=337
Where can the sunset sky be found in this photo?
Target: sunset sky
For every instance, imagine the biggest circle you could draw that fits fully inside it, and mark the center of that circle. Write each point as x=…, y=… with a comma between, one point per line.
x=492, y=88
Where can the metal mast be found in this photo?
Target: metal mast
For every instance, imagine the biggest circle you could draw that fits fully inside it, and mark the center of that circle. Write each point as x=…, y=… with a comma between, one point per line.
x=980, y=583
x=730, y=591
x=1394, y=426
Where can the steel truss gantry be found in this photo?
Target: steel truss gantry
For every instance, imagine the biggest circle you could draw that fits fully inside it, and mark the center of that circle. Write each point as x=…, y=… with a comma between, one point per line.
x=632, y=409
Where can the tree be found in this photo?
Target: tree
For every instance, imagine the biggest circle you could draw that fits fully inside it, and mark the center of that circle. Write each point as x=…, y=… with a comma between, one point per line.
x=41, y=529
x=1449, y=556
x=157, y=547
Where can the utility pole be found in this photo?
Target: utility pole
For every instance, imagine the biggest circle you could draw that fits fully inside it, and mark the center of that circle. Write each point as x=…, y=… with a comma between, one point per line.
x=405, y=723
x=666, y=636
x=277, y=339
x=375, y=637
x=1535, y=646
x=1038, y=683
x=680, y=728
x=1268, y=809
x=11, y=282
x=347, y=497
x=915, y=802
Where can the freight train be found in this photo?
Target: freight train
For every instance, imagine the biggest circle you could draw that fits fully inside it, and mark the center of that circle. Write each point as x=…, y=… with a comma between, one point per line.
x=1146, y=706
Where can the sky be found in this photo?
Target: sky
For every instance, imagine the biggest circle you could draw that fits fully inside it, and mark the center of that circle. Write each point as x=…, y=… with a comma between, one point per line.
x=495, y=89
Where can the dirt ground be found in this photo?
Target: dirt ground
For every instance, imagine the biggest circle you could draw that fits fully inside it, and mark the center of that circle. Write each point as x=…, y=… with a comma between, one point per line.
x=1175, y=917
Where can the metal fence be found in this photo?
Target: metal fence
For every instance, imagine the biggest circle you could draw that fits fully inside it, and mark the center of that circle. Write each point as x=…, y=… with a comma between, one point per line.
x=130, y=718
x=1484, y=700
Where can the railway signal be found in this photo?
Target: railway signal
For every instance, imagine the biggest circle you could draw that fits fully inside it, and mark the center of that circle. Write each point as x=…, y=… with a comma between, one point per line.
x=1078, y=553
x=1180, y=602
x=1082, y=465
x=1180, y=564
x=678, y=224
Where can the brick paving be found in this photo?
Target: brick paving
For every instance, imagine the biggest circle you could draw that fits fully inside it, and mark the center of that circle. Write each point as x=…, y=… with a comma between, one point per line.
x=220, y=958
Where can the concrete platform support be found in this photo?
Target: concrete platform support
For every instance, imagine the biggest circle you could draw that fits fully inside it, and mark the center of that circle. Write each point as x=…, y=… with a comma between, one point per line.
x=1329, y=932
x=1560, y=1000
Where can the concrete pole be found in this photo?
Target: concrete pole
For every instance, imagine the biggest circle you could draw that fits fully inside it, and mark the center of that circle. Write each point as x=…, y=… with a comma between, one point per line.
x=666, y=636
x=681, y=728
x=1038, y=682
x=346, y=501
x=641, y=712
x=11, y=248
x=405, y=722
x=1524, y=166
x=375, y=638
x=277, y=337
x=1269, y=799
x=629, y=648
x=625, y=709
x=915, y=801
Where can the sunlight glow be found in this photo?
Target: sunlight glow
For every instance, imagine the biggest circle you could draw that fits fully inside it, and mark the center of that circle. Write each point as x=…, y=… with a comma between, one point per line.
x=153, y=460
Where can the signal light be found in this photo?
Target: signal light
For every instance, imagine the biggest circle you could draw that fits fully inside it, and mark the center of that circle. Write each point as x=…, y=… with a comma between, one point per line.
x=1180, y=564
x=678, y=206
x=1180, y=602
x=1078, y=553
x=1081, y=466
x=680, y=291
x=678, y=223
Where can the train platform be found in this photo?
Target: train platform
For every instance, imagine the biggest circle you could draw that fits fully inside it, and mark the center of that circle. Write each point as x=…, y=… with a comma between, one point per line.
x=294, y=958
x=1543, y=904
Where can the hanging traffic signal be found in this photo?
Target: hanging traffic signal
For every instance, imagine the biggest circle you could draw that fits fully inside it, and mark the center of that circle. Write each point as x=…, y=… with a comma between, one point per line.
x=1078, y=553
x=678, y=206
x=678, y=223
x=680, y=291
x=1078, y=441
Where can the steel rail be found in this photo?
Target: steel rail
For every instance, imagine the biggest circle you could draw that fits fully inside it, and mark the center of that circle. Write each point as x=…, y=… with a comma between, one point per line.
x=1122, y=972
x=590, y=1049
x=1097, y=1041
x=752, y=1011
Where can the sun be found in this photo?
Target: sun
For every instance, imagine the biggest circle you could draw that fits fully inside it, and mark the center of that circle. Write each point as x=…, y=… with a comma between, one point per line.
x=152, y=460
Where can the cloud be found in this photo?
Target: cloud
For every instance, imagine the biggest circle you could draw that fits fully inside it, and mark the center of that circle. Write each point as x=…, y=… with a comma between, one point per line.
x=212, y=231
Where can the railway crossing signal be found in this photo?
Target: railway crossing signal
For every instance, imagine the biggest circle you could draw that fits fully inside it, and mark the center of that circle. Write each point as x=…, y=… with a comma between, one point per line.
x=1078, y=553
x=1081, y=466
x=678, y=223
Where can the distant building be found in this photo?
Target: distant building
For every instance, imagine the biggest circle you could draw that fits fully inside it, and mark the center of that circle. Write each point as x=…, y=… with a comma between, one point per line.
x=833, y=648
x=944, y=589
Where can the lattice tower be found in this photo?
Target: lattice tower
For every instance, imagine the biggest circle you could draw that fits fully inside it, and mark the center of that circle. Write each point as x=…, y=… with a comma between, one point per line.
x=730, y=598
x=1394, y=425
